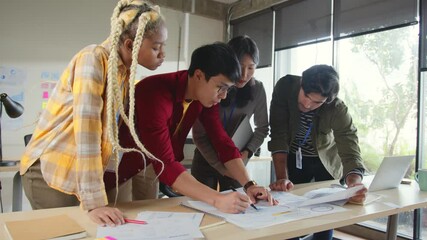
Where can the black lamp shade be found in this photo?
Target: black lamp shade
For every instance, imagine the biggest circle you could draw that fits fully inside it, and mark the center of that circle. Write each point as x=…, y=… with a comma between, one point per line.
x=13, y=109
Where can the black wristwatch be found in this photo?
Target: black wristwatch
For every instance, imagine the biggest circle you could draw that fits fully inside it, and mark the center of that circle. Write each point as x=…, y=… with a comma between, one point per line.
x=249, y=184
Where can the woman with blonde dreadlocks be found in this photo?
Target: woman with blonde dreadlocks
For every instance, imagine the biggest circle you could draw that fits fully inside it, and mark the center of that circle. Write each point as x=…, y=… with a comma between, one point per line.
x=77, y=135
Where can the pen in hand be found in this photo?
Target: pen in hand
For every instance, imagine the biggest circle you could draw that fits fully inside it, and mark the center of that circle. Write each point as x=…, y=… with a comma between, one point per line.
x=252, y=205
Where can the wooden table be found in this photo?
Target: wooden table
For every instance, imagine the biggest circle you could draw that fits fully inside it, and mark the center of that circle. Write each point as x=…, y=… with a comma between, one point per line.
x=402, y=199
x=407, y=197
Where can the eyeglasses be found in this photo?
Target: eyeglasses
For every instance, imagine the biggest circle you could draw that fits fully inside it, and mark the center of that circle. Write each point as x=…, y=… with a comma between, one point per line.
x=225, y=89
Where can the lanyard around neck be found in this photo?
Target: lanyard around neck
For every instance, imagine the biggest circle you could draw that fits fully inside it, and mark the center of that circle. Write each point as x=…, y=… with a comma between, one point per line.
x=301, y=143
x=225, y=119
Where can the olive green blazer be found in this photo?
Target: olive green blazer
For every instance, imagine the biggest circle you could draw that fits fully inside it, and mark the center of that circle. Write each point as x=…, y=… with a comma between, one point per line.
x=334, y=135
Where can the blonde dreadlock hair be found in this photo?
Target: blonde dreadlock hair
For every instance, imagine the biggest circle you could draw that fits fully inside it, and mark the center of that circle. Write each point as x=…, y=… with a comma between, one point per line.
x=134, y=19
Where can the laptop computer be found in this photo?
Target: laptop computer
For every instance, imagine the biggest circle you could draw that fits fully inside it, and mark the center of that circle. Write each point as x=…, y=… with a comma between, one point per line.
x=390, y=173
x=243, y=133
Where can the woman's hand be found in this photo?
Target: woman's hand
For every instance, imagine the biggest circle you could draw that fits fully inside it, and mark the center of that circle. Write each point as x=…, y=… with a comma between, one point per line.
x=104, y=216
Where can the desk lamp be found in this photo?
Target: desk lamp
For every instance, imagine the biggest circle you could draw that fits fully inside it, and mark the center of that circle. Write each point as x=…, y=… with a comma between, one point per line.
x=13, y=110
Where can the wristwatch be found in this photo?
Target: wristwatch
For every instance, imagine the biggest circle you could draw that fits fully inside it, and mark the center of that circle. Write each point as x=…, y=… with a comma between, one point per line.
x=249, y=184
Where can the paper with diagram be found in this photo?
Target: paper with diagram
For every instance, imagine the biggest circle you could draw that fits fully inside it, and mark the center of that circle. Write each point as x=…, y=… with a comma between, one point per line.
x=180, y=226
x=288, y=210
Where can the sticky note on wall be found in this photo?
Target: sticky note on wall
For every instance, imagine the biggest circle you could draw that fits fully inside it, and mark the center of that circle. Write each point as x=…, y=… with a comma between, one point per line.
x=44, y=85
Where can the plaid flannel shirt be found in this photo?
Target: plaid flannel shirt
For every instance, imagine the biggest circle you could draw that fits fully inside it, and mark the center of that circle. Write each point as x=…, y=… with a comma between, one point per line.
x=70, y=138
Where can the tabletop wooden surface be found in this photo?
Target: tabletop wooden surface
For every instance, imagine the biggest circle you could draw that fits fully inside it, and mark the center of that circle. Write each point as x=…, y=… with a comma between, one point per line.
x=393, y=201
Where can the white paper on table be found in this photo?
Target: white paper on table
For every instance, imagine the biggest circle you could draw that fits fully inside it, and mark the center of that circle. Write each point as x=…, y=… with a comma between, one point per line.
x=179, y=226
x=328, y=195
x=196, y=218
x=193, y=219
x=267, y=215
x=336, y=196
x=285, y=198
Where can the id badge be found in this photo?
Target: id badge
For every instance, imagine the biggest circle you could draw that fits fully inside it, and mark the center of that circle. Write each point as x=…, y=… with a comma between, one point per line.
x=298, y=159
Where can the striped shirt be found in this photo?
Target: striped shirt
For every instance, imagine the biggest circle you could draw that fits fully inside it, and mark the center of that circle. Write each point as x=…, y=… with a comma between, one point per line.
x=307, y=148
x=71, y=138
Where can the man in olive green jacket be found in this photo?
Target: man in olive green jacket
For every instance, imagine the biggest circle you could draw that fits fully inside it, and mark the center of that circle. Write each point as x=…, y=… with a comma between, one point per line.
x=312, y=134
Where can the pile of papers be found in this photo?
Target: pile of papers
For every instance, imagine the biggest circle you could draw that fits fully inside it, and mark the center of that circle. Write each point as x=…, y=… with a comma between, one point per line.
x=180, y=225
x=291, y=207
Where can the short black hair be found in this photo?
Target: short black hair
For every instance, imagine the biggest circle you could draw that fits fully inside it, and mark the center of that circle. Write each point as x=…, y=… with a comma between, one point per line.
x=244, y=45
x=322, y=79
x=215, y=59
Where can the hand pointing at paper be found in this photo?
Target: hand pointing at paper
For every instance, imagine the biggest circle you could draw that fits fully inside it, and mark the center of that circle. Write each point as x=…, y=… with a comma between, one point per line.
x=256, y=193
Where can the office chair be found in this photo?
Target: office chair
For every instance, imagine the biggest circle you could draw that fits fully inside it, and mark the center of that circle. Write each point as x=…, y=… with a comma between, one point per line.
x=168, y=191
x=189, y=148
x=27, y=139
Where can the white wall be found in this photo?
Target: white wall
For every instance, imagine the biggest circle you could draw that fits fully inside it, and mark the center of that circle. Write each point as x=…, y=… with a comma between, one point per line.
x=39, y=37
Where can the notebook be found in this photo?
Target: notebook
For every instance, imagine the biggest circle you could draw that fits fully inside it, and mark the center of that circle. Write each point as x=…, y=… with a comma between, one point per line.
x=60, y=227
x=243, y=133
x=390, y=173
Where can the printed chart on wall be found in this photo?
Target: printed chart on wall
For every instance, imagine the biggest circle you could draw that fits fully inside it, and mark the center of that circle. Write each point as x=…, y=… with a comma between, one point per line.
x=11, y=82
x=21, y=83
x=31, y=84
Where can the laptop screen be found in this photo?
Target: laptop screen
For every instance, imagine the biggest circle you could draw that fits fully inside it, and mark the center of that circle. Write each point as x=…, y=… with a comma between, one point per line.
x=390, y=173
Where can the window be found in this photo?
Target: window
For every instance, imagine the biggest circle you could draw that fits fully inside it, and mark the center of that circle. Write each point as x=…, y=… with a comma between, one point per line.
x=378, y=80
x=265, y=75
x=295, y=60
x=374, y=46
x=423, y=143
x=260, y=28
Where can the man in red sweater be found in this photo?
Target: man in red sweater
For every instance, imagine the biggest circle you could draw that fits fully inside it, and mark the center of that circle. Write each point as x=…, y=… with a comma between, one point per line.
x=166, y=107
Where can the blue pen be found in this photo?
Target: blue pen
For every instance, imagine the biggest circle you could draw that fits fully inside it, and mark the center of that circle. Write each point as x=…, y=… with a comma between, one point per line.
x=252, y=205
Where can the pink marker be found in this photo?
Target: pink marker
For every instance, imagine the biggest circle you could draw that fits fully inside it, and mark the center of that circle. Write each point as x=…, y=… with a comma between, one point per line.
x=127, y=220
